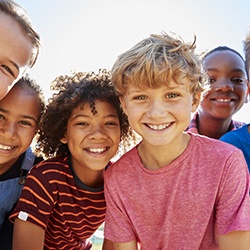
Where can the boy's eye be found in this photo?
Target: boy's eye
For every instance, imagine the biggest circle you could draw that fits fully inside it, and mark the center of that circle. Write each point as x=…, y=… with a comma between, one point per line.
x=140, y=97
x=211, y=80
x=238, y=80
x=6, y=68
x=171, y=95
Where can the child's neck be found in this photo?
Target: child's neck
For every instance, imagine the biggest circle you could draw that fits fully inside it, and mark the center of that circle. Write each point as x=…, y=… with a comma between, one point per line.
x=156, y=157
x=212, y=127
x=90, y=178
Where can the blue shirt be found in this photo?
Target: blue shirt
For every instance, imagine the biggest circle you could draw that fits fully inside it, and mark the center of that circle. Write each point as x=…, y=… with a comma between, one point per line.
x=240, y=138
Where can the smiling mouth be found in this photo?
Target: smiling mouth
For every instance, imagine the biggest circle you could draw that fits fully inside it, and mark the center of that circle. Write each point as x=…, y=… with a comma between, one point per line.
x=223, y=100
x=158, y=127
x=97, y=150
x=6, y=148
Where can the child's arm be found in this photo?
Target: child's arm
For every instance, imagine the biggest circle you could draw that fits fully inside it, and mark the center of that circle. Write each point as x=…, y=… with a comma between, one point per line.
x=27, y=235
x=107, y=245
x=132, y=245
x=239, y=240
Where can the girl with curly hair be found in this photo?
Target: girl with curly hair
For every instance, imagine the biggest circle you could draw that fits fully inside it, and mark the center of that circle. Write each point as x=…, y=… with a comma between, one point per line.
x=63, y=203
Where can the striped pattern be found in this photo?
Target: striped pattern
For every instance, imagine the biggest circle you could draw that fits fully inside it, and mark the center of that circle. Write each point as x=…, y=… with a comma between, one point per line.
x=69, y=214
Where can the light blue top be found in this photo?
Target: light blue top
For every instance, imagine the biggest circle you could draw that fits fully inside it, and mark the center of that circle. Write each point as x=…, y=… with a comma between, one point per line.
x=10, y=190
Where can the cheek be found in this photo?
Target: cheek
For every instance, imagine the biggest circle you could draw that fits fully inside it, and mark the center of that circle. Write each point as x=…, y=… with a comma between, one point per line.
x=5, y=85
x=27, y=137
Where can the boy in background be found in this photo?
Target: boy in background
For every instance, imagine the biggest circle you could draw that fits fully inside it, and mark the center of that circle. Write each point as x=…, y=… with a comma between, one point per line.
x=228, y=89
x=241, y=137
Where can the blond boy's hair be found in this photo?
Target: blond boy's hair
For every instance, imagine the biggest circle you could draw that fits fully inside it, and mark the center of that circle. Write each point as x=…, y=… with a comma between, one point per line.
x=156, y=60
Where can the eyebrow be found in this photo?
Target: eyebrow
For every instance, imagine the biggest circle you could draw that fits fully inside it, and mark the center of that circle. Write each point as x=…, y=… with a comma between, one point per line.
x=23, y=116
x=234, y=70
x=15, y=65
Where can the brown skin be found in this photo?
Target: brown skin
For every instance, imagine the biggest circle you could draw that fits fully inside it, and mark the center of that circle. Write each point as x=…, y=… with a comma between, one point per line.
x=227, y=94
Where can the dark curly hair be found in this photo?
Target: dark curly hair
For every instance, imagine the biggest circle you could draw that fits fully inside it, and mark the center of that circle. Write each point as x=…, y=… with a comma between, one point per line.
x=32, y=87
x=71, y=91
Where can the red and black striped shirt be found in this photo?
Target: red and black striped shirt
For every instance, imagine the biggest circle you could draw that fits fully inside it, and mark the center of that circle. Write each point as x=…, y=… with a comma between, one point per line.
x=68, y=214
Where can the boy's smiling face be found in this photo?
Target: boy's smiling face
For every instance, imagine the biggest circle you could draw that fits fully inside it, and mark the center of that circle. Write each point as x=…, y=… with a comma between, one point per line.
x=160, y=115
x=228, y=85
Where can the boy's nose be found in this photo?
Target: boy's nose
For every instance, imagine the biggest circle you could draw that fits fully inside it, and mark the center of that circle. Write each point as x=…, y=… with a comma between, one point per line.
x=157, y=109
x=224, y=85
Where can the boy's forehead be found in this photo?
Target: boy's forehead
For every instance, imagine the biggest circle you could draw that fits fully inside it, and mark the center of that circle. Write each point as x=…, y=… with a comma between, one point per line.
x=171, y=84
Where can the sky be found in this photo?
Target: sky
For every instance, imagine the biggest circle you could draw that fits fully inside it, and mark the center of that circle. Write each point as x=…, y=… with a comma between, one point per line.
x=85, y=35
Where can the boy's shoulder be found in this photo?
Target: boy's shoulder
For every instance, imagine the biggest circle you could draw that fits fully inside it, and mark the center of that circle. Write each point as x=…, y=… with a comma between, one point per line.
x=210, y=144
x=127, y=158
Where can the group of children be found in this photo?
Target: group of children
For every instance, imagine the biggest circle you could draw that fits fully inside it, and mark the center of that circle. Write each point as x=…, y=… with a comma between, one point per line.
x=178, y=188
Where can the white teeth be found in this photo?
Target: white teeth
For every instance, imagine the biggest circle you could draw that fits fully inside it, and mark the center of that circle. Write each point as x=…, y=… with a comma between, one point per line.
x=3, y=147
x=97, y=150
x=158, y=127
x=223, y=100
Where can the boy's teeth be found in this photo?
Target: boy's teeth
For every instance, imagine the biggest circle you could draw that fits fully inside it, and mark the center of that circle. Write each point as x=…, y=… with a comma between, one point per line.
x=97, y=150
x=158, y=127
x=223, y=100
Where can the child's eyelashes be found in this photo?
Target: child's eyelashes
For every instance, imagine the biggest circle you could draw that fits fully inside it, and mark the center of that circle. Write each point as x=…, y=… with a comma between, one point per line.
x=171, y=95
x=8, y=70
x=140, y=97
x=211, y=80
x=146, y=98
x=238, y=80
x=84, y=124
x=112, y=124
x=25, y=123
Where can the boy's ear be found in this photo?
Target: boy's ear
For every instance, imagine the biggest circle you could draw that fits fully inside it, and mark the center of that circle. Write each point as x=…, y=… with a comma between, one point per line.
x=63, y=140
x=196, y=101
x=121, y=98
x=248, y=92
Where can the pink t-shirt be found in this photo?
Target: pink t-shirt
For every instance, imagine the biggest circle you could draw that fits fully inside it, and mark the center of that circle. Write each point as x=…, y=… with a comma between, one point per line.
x=184, y=205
